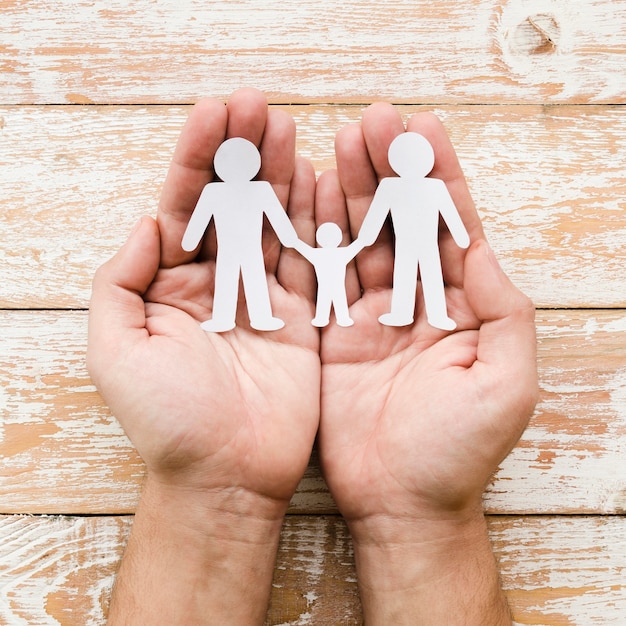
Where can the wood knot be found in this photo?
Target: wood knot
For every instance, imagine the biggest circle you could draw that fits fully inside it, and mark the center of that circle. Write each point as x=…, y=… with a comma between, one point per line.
x=537, y=34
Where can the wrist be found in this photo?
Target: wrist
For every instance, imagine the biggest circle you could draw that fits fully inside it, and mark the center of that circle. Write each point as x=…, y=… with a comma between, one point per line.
x=414, y=526
x=198, y=556
x=430, y=570
x=204, y=506
x=402, y=551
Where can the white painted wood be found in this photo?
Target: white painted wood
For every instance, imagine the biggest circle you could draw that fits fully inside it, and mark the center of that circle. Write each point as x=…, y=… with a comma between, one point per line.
x=110, y=51
x=58, y=570
x=62, y=452
x=549, y=182
x=575, y=445
x=57, y=439
x=566, y=570
x=555, y=570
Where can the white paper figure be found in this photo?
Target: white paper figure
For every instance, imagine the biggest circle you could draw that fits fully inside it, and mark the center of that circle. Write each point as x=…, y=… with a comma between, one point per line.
x=330, y=262
x=237, y=206
x=415, y=204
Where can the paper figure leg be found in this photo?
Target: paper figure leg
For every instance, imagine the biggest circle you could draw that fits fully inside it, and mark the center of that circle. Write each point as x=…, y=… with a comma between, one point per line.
x=322, y=308
x=404, y=287
x=340, y=303
x=434, y=294
x=257, y=295
x=224, y=297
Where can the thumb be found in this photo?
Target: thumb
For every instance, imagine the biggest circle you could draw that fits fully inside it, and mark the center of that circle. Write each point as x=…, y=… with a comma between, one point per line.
x=117, y=308
x=507, y=338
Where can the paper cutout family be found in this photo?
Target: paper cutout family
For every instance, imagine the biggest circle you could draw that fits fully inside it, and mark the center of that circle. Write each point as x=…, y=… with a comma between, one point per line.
x=238, y=203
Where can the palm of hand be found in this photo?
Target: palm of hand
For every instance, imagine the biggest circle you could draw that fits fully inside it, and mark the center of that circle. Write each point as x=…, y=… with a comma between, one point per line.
x=235, y=408
x=238, y=409
x=419, y=418
x=395, y=426
x=414, y=420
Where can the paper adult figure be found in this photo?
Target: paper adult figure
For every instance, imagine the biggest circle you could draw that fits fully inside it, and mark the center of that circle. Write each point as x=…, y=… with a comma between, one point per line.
x=237, y=205
x=330, y=262
x=415, y=204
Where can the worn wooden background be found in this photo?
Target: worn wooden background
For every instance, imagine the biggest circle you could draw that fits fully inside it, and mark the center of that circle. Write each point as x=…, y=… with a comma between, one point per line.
x=93, y=94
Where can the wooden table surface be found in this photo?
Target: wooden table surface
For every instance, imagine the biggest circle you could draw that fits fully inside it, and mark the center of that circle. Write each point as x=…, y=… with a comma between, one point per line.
x=93, y=94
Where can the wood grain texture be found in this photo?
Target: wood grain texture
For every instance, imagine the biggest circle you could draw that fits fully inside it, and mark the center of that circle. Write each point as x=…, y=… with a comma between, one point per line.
x=564, y=570
x=555, y=570
x=550, y=184
x=61, y=451
x=414, y=51
x=58, y=570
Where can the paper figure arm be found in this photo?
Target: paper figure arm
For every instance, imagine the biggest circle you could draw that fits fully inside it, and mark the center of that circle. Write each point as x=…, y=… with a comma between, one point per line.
x=199, y=221
x=354, y=248
x=453, y=220
x=281, y=223
x=304, y=249
x=375, y=217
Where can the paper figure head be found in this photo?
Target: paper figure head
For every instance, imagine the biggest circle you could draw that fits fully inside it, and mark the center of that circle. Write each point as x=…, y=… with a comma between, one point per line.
x=328, y=235
x=410, y=154
x=237, y=160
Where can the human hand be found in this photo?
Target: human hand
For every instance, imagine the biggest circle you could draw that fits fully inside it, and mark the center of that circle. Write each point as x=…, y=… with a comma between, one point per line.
x=415, y=420
x=194, y=403
x=224, y=422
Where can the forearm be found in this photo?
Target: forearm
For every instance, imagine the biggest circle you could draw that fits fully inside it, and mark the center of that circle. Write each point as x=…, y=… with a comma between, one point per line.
x=429, y=574
x=196, y=561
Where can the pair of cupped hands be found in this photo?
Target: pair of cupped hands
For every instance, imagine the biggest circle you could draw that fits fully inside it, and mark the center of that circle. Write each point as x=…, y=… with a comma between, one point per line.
x=411, y=422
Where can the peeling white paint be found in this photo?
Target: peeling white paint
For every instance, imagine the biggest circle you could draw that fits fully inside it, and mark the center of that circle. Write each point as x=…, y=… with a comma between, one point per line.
x=93, y=171
x=39, y=556
x=541, y=41
x=551, y=187
x=579, y=576
x=616, y=387
x=571, y=457
x=107, y=51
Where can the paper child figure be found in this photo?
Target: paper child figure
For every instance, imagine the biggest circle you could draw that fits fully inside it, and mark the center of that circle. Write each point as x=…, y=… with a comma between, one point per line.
x=415, y=204
x=330, y=262
x=237, y=206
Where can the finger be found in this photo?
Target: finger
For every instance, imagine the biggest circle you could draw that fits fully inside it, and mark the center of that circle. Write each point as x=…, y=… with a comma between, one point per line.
x=294, y=272
x=330, y=206
x=208, y=125
x=191, y=169
x=359, y=181
x=507, y=336
x=356, y=173
x=381, y=125
x=247, y=115
x=117, y=308
x=278, y=155
x=330, y=203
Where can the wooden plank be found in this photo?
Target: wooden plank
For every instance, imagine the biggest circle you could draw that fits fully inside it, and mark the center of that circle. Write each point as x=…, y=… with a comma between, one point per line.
x=555, y=570
x=550, y=184
x=567, y=570
x=406, y=50
x=61, y=451
x=58, y=570
x=55, y=431
x=573, y=453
